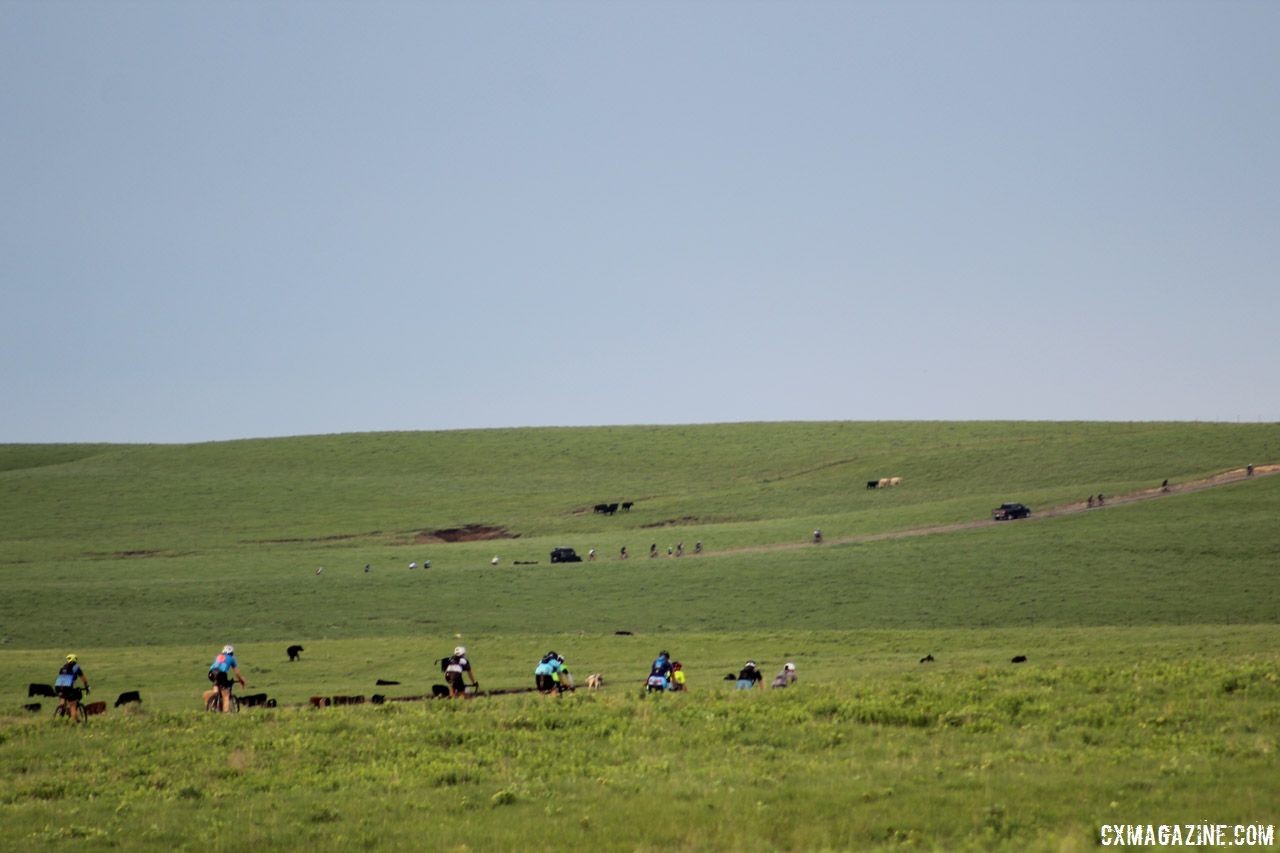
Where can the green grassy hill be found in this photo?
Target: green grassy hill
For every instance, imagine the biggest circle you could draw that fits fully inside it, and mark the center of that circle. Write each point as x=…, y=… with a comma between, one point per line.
x=1151, y=630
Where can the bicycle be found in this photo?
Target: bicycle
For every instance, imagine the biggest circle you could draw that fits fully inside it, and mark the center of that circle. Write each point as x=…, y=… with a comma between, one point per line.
x=64, y=710
x=214, y=704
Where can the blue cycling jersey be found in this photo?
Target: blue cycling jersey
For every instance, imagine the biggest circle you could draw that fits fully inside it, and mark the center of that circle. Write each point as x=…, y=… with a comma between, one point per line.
x=67, y=675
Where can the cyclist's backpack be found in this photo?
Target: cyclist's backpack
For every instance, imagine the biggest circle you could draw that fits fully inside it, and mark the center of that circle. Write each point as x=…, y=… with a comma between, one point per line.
x=213, y=675
x=444, y=664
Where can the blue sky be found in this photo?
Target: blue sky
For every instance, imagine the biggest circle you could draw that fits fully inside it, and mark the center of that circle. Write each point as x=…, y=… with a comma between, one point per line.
x=252, y=219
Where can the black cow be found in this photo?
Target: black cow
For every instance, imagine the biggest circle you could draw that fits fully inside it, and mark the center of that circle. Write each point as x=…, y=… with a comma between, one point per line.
x=1019, y=659
x=127, y=697
x=610, y=509
x=382, y=682
x=34, y=707
x=927, y=658
x=873, y=484
x=40, y=690
x=440, y=691
x=253, y=700
x=348, y=700
x=601, y=508
x=294, y=651
x=626, y=507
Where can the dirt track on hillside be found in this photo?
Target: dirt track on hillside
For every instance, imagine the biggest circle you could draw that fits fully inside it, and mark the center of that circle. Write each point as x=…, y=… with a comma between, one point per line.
x=1224, y=478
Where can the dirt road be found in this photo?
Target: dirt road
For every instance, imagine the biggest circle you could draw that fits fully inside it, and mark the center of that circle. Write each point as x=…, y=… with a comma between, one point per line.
x=1224, y=478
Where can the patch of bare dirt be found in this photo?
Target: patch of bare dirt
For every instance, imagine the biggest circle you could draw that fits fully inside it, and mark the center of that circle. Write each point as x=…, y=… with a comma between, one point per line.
x=469, y=533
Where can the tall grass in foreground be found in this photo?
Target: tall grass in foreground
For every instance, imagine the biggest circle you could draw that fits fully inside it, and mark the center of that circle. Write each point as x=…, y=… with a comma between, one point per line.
x=966, y=755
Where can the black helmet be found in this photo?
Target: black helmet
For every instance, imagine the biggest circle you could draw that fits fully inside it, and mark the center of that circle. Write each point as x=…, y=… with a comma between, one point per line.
x=664, y=654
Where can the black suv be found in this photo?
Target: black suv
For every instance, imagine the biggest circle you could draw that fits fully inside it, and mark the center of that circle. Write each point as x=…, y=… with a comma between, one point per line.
x=565, y=555
x=1008, y=512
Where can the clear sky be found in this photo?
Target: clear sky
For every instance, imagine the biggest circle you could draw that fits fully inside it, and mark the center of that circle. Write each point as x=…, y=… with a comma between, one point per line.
x=225, y=220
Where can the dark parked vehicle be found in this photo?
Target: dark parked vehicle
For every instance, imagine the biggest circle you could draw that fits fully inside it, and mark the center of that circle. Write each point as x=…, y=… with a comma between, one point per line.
x=1008, y=512
x=565, y=555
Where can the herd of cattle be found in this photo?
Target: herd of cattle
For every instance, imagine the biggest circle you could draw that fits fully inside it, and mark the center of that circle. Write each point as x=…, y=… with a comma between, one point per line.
x=610, y=509
x=884, y=482
x=91, y=708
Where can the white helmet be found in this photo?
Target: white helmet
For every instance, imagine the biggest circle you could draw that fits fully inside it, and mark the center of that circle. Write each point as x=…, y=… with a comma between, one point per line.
x=228, y=649
x=790, y=666
x=460, y=650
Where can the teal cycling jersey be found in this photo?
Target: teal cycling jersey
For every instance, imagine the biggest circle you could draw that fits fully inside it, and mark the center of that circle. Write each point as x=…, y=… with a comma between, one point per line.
x=224, y=663
x=552, y=667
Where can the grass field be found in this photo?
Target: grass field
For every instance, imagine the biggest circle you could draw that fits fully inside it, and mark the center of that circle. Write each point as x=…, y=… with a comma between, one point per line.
x=1150, y=694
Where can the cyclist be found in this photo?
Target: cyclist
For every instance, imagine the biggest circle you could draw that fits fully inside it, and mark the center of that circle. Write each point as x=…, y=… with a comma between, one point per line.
x=550, y=674
x=65, y=686
x=677, y=676
x=454, y=667
x=659, y=673
x=220, y=674
x=786, y=677
x=750, y=676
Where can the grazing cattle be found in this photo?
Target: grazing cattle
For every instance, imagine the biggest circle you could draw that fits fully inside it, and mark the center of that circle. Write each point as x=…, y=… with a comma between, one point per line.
x=927, y=658
x=622, y=633
x=601, y=508
x=40, y=690
x=440, y=691
x=611, y=509
x=733, y=676
x=348, y=700
x=1019, y=659
x=293, y=652
x=882, y=483
x=626, y=507
x=320, y=702
x=253, y=700
x=377, y=699
x=34, y=707
x=873, y=484
x=382, y=682
x=93, y=709
x=595, y=681
x=895, y=481
x=127, y=697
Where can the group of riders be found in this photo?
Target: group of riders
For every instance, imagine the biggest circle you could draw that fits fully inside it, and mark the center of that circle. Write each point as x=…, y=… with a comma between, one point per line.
x=667, y=674
x=551, y=675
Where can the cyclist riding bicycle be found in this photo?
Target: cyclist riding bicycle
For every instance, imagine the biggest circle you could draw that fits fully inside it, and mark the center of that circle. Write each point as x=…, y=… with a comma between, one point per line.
x=65, y=686
x=454, y=667
x=220, y=674
x=548, y=676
